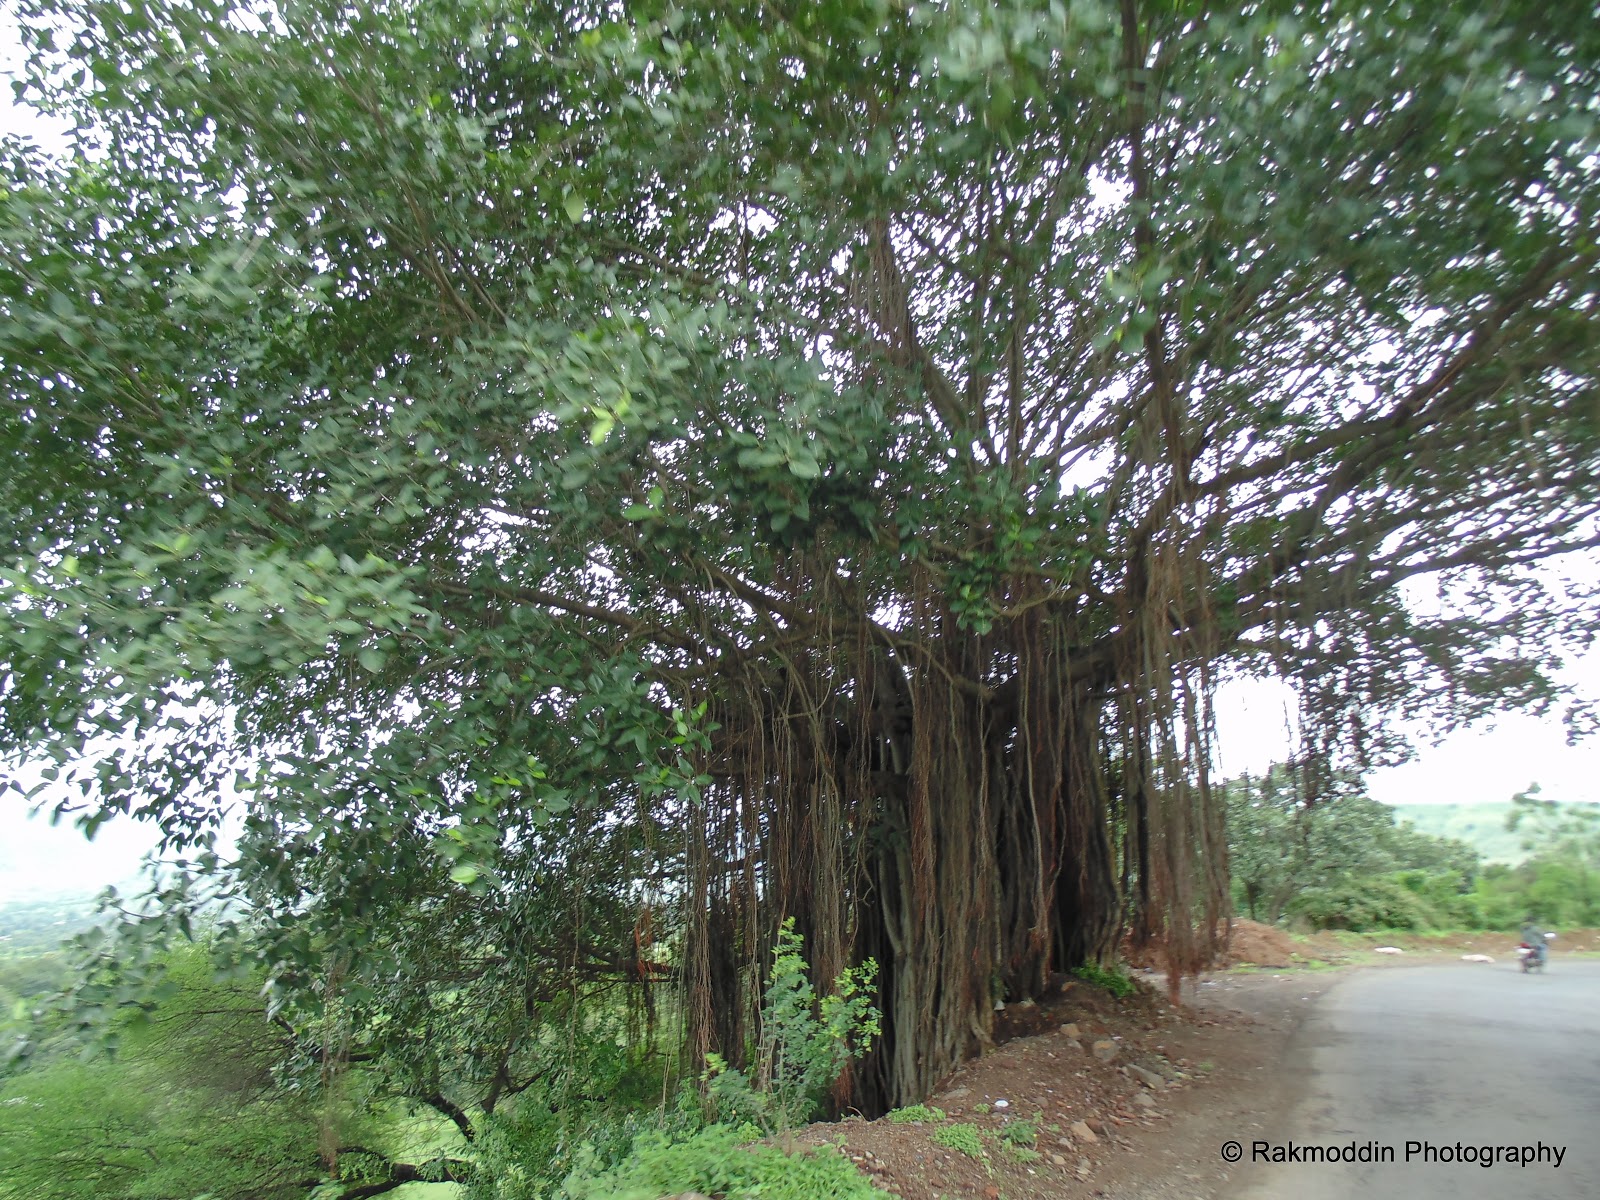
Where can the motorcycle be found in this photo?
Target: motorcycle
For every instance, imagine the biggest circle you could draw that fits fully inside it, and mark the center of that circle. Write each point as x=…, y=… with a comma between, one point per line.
x=1534, y=957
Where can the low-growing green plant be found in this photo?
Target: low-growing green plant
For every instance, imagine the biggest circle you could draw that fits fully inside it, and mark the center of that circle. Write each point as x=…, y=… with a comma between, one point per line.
x=804, y=1045
x=1109, y=978
x=1020, y=1133
x=915, y=1113
x=968, y=1139
x=592, y=1101
x=1022, y=1154
x=722, y=1161
x=187, y=1104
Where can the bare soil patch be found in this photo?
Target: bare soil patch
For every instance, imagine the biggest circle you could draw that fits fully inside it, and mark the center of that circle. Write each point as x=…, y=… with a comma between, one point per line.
x=1247, y=942
x=1260, y=945
x=1142, y=1119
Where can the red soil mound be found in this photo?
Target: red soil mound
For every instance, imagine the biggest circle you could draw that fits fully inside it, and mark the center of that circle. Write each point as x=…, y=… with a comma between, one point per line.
x=1247, y=942
x=1260, y=945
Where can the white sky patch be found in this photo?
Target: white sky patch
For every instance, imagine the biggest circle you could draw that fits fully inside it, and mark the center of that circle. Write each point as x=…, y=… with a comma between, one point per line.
x=1487, y=762
x=50, y=134
x=38, y=860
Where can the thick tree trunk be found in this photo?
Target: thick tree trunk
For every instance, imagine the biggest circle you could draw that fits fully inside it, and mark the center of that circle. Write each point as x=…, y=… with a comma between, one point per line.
x=996, y=872
x=938, y=889
x=972, y=838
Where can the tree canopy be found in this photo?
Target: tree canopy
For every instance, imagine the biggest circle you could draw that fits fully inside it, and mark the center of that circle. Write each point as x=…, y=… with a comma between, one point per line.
x=1282, y=846
x=586, y=483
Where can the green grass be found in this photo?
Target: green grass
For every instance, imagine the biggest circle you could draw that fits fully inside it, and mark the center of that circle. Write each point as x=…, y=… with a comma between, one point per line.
x=1111, y=980
x=968, y=1139
x=916, y=1113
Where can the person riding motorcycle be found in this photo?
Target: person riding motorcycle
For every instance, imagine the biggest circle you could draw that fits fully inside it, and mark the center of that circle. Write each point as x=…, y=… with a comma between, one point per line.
x=1533, y=938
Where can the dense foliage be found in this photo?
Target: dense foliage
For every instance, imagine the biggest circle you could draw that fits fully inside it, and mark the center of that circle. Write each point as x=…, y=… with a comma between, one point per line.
x=1334, y=861
x=1558, y=884
x=1346, y=862
x=718, y=1161
x=583, y=485
x=188, y=1106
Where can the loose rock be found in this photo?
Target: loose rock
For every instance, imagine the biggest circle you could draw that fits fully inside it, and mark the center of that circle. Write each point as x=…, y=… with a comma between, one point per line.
x=1083, y=1133
x=1105, y=1049
x=1149, y=1078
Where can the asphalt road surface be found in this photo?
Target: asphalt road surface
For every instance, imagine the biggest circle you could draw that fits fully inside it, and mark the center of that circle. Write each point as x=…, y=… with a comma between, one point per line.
x=1428, y=1064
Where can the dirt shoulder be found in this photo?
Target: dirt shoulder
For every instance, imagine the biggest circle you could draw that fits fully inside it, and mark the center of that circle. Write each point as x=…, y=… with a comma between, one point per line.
x=1132, y=1099
x=1122, y=1098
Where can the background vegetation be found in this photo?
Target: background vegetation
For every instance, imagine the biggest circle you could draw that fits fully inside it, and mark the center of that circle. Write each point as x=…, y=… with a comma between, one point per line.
x=1347, y=862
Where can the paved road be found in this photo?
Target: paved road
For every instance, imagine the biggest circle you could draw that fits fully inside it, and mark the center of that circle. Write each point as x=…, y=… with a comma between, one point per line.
x=1480, y=1056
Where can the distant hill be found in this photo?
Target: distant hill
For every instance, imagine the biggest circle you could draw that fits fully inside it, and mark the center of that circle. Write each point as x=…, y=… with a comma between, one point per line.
x=1481, y=826
x=33, y=926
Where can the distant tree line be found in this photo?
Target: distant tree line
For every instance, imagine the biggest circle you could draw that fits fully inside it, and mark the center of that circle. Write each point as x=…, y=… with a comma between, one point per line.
x=1343, y=861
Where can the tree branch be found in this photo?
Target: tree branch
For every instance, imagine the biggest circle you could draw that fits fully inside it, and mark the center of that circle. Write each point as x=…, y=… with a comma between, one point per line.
x=438, y=1170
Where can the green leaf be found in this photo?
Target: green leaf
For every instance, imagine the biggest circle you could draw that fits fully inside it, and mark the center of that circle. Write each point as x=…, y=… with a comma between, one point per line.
x=804, y=466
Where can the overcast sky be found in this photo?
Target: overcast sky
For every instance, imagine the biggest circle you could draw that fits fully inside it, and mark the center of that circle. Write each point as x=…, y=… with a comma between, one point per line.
x=1484, y=763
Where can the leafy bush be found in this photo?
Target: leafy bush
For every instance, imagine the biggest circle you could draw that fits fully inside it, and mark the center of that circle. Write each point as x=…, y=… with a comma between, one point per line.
x=804, y=1043
x=1360, y=905
x=1020, y=1133
x=916, y=1114
x=719, y=1161
x=188, y=1104
x=593, y=1116
x=1448, y=894
x=592, y=1128
x=1109, y=978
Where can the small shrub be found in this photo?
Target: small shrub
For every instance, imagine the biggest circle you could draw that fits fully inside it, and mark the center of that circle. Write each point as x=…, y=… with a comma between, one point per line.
x=915, y=1114
x=719, y=1161
x=1020, y=1133
x=1109, y=978
x=805, y=1043
x=968, y=1139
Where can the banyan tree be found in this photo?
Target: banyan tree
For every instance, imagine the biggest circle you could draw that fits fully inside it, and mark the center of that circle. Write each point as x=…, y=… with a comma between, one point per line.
x=627, y=476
